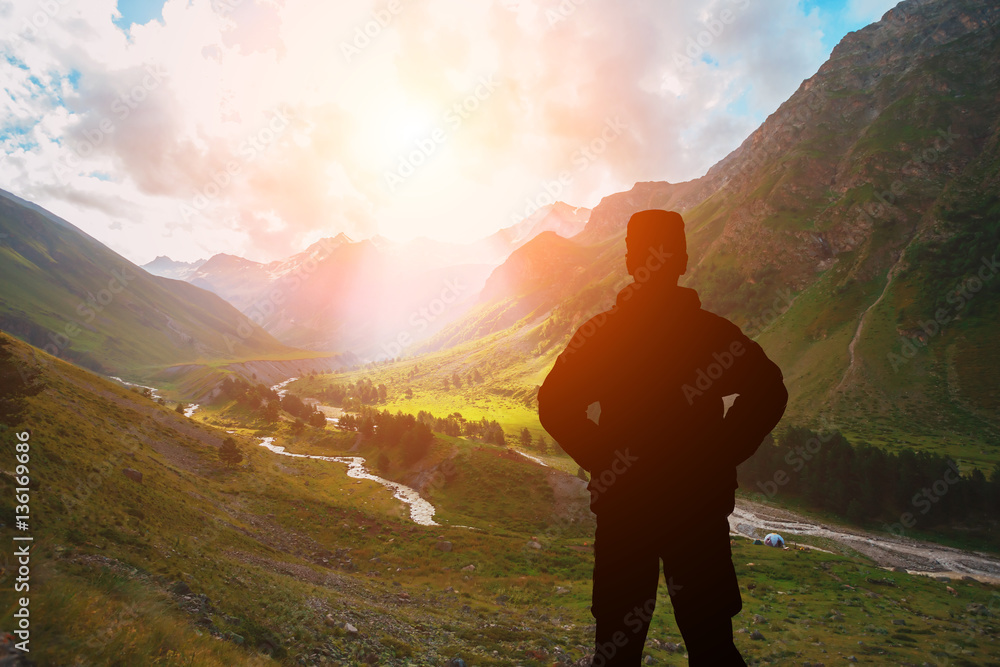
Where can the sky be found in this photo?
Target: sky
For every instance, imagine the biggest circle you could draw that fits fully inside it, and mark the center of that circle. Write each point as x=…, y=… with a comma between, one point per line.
x=255, y=127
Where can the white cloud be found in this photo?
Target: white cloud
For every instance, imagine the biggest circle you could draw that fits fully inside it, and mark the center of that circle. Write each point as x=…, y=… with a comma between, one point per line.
x=180, y=115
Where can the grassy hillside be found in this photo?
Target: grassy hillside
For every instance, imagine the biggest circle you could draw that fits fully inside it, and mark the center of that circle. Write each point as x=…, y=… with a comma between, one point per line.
x=265, y=563
x=72, y=296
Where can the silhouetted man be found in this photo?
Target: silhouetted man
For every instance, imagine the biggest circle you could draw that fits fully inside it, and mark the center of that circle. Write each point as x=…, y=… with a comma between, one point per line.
x=662, y=456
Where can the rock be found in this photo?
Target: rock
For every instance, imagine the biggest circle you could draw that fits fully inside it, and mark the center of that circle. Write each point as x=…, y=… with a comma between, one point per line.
x=851, y=658
x=133, y=475
x=898, y=621
x=560, y=590
x=977, y=609
x=443, y=545
x=456, y=662
x=469, y=568
x=350, y=629
x=180, y=588
x=757, y=618
x=756, y=634
x=331, y=621
x=649, y=660
x=671, y=647
x=534, y=544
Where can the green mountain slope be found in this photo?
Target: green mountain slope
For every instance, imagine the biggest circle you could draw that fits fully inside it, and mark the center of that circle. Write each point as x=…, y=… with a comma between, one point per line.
x=846, y=220
x=67, y=293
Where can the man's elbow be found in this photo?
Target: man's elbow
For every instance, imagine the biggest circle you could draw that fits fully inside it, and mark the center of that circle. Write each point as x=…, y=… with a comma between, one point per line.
x=548, y=409
x=778, y=395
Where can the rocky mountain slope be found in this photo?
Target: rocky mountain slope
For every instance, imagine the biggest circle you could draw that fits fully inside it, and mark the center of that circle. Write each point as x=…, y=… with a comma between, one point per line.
x=836, y=233
x=375, y=297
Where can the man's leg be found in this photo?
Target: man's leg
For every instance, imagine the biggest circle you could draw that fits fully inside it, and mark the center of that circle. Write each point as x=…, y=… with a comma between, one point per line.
x=626, y=574
x=703, y=588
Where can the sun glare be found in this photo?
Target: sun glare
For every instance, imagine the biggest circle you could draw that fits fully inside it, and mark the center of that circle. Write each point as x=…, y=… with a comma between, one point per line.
x=392, y=125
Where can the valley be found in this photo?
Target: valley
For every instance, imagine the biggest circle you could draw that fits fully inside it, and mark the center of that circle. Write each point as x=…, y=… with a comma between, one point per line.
x=335, y=458
x=290, y=559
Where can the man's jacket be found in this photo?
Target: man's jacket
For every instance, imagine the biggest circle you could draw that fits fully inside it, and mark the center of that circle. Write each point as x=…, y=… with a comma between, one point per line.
x=659, y=366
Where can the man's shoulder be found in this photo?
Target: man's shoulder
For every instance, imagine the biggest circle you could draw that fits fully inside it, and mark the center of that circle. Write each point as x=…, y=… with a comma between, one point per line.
x=712, y=328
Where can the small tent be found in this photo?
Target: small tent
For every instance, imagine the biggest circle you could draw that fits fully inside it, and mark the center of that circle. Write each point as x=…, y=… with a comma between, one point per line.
x=774, y=540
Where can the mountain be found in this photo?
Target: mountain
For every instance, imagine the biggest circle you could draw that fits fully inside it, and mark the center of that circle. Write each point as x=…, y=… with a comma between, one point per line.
x=565, y=220
x=854, y=233
x=68, y=294
x=235, y=279
x=375, y=298
x=165, y=267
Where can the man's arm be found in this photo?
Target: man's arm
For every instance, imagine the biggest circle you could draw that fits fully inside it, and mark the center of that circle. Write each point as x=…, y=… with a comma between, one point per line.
x=761, y=402
x=563, y=398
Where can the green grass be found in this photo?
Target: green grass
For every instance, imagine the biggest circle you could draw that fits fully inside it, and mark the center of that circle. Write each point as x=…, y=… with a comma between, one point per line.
x=253, y=540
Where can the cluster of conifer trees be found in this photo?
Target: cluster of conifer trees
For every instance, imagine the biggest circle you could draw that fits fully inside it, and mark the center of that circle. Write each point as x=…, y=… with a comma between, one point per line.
x=455, y=425
x=267, y=404
x=918, y=490
x=353, y=394
x=385, y=429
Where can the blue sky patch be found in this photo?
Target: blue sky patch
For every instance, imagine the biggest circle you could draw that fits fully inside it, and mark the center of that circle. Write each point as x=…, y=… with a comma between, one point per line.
x=138, y=11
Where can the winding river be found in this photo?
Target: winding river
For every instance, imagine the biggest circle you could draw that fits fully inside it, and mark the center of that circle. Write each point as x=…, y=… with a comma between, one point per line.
x=421, y=511
x=749, y=519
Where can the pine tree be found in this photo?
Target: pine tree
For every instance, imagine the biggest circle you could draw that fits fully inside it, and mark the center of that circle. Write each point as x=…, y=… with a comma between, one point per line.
x=229, y=453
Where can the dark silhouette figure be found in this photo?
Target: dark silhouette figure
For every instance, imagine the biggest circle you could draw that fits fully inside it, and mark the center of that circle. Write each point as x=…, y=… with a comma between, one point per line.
x=662, y=456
